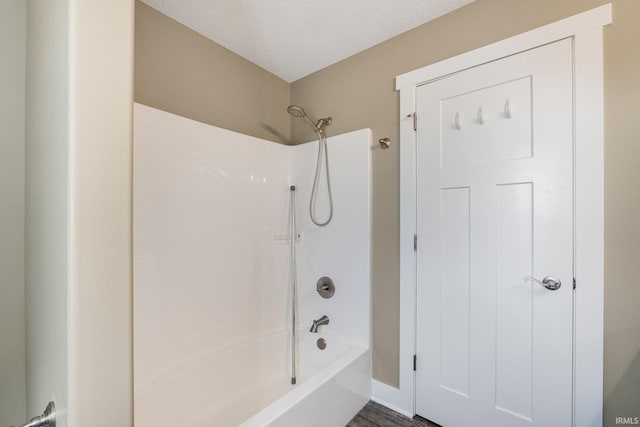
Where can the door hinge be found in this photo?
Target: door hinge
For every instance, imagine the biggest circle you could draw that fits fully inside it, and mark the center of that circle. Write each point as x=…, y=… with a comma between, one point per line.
x=414, y=362
x=415, y=121
x=574, y=283
x=415, y=242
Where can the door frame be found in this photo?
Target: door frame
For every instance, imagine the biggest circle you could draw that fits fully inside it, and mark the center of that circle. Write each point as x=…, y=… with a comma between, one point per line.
x=585, y=30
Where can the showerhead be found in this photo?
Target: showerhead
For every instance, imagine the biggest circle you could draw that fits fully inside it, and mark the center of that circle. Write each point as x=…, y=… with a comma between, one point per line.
x=296, y=111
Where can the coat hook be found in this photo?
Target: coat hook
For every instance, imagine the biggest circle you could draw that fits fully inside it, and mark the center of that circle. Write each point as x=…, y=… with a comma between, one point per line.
x=481, y=118
x=508, y=113
x=458, y=120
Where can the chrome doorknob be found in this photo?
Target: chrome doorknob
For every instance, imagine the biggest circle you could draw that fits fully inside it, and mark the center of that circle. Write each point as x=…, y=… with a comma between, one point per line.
x=549, y=282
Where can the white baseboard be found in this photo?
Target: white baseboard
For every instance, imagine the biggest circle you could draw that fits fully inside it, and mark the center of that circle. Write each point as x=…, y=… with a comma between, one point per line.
x=390, y=397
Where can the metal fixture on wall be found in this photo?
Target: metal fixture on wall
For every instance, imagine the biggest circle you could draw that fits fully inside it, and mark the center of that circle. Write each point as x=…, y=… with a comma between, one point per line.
x=384, y=143
x=294, y=280
x=324, y=320
x=321, y=343
x=318, y=127
x=325, y=287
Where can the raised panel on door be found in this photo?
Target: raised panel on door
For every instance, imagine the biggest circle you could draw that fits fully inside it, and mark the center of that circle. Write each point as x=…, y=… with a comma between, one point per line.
x=495, y=205
x=454, y=298
x=514, y=327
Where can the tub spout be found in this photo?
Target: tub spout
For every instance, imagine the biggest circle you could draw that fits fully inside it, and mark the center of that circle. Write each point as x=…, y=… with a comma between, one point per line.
x=324, y=320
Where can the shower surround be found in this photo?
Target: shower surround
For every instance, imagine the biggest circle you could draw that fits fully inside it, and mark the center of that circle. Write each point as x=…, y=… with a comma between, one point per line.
x=212, y=286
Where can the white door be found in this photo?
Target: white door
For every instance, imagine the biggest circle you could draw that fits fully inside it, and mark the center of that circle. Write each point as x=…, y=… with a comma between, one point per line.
x=495, y=205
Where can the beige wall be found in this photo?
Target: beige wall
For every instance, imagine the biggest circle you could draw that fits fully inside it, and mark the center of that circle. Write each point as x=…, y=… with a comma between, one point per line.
x=13, y=38
x=178, y=70
x=359, y=92
x=622, y=211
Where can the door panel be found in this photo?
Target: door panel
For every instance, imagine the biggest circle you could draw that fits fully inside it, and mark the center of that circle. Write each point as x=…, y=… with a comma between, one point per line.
x=512, y=139
x=514, y=328
x=454, y=365
x=495, y=205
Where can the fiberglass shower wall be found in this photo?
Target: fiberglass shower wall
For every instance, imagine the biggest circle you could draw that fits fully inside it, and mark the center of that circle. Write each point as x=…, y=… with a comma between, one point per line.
x=211, y=255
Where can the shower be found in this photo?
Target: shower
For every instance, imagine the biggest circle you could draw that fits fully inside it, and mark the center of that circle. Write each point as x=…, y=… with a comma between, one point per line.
x=264, y=367
x=297, y=112
x=318, y=127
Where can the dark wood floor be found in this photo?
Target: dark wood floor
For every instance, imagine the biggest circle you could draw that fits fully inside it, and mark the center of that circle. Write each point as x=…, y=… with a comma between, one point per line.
x=375, y=415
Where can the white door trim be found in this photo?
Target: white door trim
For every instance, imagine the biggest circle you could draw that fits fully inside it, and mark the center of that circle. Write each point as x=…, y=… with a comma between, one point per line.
x=585, y=30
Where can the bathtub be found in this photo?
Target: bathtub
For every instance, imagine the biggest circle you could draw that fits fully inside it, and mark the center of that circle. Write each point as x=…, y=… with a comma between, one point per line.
x=249, y=386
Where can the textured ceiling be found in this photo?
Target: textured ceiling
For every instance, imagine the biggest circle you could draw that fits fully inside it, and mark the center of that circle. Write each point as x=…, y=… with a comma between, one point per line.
x=294, y=38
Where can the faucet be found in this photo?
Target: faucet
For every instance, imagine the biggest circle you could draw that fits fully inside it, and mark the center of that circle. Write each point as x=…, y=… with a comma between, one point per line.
x=324, y=320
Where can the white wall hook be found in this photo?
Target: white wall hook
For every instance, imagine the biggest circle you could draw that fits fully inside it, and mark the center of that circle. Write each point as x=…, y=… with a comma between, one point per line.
x=458, y=120
x=508, y=112
x=481, y=117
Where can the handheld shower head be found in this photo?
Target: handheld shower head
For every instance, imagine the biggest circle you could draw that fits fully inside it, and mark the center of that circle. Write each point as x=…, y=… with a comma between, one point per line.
x=318, y=128
x=296, y=111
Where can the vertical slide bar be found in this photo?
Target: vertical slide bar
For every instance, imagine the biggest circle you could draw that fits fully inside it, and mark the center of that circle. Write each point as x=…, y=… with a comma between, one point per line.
x=294, y=284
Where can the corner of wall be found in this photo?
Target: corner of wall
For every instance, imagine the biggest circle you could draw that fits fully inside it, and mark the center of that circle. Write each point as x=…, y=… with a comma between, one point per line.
x=195, y=77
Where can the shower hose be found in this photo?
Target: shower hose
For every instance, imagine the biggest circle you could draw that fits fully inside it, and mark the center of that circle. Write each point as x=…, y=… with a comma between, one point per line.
x=322, y=147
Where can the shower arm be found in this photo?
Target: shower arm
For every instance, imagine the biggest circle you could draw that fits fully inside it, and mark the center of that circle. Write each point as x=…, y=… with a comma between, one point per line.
x=319, y=125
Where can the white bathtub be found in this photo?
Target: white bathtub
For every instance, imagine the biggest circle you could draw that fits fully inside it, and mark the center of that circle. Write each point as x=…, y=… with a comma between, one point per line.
x=249, y=386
